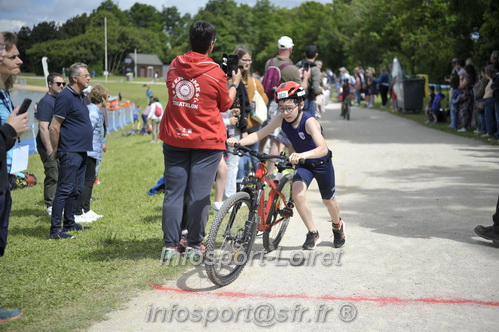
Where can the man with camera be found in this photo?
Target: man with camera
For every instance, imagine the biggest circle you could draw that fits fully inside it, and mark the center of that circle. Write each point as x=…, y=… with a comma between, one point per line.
x=314, y=82
x=194, y=136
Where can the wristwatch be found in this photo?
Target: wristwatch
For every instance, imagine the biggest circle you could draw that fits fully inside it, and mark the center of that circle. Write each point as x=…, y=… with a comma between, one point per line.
x=234, y=85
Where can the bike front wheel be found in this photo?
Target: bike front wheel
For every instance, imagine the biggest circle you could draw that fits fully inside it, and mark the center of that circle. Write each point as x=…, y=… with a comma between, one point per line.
x=230, y=240
x=279, y=216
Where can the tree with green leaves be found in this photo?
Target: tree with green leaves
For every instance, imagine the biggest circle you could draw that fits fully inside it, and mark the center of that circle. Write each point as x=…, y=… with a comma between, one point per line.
x=423, y=34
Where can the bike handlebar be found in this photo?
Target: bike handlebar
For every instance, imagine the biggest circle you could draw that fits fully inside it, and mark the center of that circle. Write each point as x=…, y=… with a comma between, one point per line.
x=261, y=155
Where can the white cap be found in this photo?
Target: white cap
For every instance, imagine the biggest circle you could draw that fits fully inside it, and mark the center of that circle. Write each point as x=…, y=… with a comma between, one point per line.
x=285, y=42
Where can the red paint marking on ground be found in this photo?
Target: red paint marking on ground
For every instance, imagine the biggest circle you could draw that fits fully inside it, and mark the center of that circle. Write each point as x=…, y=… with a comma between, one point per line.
x=381, y=300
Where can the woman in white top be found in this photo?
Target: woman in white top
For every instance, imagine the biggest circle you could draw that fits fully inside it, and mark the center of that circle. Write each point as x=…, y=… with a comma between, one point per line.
x=155, y=115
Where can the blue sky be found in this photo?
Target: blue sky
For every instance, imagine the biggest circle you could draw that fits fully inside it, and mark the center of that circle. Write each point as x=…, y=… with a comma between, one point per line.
x=16, y=13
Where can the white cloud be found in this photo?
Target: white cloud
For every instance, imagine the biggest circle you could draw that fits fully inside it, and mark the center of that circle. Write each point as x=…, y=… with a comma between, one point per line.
x=11, y=25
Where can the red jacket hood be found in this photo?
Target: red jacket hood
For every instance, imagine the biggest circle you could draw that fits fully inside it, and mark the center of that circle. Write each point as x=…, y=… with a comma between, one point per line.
x=193, y=64
x=197, y=93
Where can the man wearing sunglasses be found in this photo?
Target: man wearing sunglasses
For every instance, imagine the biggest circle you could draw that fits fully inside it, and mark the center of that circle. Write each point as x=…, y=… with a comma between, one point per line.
x=56, y=83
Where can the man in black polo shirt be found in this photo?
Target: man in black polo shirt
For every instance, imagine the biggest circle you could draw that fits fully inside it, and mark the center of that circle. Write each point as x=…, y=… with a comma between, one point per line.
x=56, y=84
x=71, y=138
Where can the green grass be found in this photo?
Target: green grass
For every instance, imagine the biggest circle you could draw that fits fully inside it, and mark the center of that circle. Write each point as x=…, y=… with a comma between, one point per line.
x=66, y=284
x=133, y=91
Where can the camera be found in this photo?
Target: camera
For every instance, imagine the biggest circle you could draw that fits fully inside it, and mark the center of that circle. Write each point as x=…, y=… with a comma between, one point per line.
x=230, y=63
x=306, y=66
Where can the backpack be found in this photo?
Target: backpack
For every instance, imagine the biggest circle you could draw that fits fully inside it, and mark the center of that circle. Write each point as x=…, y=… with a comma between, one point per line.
x=272, y=78
x=158, y=111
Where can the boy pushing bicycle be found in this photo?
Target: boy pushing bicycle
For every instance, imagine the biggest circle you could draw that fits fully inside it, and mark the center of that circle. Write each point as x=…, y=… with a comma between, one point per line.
x=305, y=133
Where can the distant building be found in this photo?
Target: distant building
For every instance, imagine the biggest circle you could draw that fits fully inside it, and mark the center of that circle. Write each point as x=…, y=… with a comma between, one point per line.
x=147, y=65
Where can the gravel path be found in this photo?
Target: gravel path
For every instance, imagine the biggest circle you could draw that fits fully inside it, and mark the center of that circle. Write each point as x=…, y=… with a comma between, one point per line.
x=410, y=196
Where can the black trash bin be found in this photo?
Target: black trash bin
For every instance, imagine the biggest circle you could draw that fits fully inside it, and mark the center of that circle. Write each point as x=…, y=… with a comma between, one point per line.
x=411, y=98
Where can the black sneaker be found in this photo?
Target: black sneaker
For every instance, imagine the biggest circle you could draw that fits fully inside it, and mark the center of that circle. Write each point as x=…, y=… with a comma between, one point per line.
x=312, y=240
x=488, y=233
x=75, y=227
x=61, y=235
x=339, y=234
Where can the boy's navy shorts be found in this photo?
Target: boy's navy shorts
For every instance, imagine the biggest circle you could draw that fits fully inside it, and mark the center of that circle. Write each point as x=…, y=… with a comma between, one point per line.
x=324, y=174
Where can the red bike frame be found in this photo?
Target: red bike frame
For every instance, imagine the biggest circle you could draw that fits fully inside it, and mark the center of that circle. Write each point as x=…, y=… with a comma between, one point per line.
x=264, y=206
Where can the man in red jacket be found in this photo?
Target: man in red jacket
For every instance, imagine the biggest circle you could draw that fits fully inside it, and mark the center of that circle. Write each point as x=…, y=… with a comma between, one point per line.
x=194, y=136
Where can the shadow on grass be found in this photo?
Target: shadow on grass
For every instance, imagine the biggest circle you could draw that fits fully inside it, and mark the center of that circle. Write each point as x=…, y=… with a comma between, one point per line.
x=27, y=213
x=41, y=231
x=111, y=248
x=151, y=219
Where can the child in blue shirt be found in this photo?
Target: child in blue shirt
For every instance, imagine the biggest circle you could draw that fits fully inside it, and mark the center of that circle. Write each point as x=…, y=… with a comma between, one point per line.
x=436, y=107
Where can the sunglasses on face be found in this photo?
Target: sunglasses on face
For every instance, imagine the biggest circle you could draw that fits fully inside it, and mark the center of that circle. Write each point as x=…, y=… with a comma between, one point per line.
x=60, y=83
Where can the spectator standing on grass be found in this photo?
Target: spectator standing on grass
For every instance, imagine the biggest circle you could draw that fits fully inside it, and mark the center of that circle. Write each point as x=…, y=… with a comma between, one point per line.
x=455, y=94
x=44, y=114
x=155, y=115
x=436, y=107
x=98, y=97
x=371, y=87
x=149, y=94
x=466, y=102
x=480, y=103
x=383, y=83
x=194, y=138
x=428, y=107
x=488, y=97
x=359, y=81
x=71, y=138
x=145, y=115
x=495, y=94
x=12, y=126
x=136, y=113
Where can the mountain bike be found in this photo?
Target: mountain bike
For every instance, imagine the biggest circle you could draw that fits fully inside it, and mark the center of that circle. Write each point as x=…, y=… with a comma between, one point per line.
x=264, y=204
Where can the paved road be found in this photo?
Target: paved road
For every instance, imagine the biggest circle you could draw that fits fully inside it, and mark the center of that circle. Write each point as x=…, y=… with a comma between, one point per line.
x=410, y=197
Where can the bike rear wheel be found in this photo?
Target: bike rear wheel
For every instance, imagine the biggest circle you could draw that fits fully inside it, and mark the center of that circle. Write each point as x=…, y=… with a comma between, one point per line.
x=278, y=217
x=230, y=240
x=347, y=115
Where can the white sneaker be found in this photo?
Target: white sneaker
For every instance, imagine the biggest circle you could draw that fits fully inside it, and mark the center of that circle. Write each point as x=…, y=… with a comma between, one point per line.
x=217, y=206
x=49, y=211
x=82, y=218
x=92, y=215
x=462, y=130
